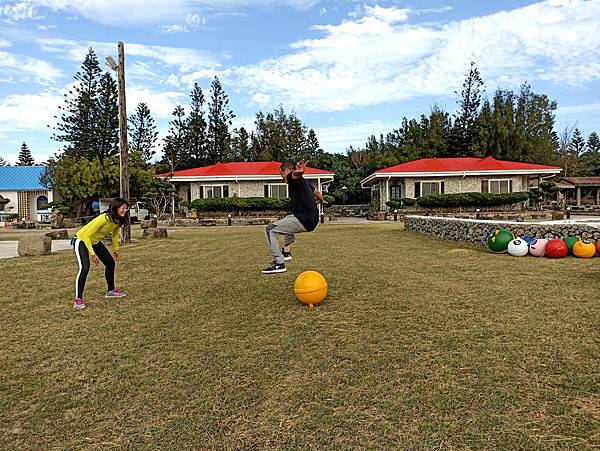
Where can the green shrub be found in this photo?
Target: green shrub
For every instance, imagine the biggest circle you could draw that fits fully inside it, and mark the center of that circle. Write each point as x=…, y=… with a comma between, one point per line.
x=401, y=202
x=471, y=200
x=240, y=204
x=9, y=217
x=329, y=199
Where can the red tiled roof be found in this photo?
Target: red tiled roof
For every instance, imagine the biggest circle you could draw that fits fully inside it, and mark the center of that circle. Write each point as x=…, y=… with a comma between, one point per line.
x=238, y=168
x=463, y=165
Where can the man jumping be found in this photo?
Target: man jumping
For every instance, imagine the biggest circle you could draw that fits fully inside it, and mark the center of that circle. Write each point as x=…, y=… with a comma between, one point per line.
x=304, y=217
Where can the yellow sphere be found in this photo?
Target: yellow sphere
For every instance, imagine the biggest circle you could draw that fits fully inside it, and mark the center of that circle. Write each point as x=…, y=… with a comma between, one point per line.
x=584, y=249
x=310, y=288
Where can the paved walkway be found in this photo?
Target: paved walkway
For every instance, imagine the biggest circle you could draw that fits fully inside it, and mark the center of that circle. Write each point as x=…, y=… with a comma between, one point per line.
x=8, y=249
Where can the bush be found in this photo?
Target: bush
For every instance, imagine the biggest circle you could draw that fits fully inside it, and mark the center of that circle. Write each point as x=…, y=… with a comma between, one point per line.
x=240, y=204
x=329, y=199
x=400, y=203
x=471, y=200
x=11, y=217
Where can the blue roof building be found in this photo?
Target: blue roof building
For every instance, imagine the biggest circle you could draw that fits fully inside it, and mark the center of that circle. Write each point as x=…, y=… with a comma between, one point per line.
x=21, y=184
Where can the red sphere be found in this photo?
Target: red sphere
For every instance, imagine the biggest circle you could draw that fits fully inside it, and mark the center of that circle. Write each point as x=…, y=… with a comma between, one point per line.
x=598, y=246
x=556, y=249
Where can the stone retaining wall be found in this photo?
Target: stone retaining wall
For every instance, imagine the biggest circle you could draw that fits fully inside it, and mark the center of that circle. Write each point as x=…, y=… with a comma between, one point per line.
x=474, y=231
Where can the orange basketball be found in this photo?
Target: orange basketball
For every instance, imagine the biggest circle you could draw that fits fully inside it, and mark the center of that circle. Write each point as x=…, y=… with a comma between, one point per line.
x=310, y=288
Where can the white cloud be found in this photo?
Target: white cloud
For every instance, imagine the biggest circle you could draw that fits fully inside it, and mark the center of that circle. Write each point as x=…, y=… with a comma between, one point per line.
x=24, y=68
x=578, y=109
x=30, y=111
x=186, y=60
x=128, y=12
x=378, y=57
x=18, y=11
x=339, y=138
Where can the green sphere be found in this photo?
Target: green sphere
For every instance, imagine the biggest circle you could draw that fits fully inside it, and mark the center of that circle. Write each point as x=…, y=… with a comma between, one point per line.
x=570, y=242
x=498, y=240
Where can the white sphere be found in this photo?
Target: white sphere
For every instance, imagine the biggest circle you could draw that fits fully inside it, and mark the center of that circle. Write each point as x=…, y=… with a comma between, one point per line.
x=518, y=247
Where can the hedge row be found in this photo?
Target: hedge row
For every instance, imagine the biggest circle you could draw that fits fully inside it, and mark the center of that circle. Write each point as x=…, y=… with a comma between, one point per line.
x=240, y=204
x=463, y=200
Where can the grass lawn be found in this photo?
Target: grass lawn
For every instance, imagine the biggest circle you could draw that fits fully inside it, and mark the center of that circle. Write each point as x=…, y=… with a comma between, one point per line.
x=420, y=344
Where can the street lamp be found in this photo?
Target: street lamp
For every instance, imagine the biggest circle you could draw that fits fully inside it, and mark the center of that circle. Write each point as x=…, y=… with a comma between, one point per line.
x=124, y=151
x=344, y=188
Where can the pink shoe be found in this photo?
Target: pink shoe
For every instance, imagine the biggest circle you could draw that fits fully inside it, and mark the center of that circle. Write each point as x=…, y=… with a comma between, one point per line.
x=116, y=293
x=78, y=304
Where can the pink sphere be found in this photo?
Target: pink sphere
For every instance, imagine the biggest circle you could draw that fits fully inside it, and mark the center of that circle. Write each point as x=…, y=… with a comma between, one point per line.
x=538, y=247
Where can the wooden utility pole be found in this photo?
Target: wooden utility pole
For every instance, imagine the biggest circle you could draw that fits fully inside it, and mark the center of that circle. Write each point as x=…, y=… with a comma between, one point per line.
x=124, y=150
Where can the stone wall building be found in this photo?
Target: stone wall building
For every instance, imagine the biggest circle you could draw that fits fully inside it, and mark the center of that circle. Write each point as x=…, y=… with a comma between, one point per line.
x=241, y=179
x=28, y=198
x=453, y=176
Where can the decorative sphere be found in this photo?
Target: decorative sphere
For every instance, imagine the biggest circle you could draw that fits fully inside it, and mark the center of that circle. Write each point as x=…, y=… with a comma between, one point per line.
x=518, y=248
x=556, y=249
x=584, y=249
x=538, y=247
x=570, y=242
x=528, y=239
x=498, y=240
x=310, y=288
x=598, y=246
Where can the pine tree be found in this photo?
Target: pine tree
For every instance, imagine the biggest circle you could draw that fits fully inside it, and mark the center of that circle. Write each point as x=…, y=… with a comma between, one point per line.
x=77, y=125
x=465, y=124
x=313, y=149
x=240, y=145
x=219, y=121
x=107, y=119
x=142, y=132
x=25, y=158
x=175, y=150
x=593, y=143
x=196, y=128
x=591, y=157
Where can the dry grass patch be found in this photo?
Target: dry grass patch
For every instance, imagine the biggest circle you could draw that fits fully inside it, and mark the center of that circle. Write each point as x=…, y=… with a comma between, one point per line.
x=420, y=344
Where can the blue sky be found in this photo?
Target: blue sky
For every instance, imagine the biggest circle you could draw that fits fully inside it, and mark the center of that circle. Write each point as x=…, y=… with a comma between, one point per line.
x=348, y=68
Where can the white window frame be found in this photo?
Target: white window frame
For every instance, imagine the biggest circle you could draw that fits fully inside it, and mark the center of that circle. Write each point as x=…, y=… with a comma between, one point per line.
x=500, y=181
x=206, y=188
x=431, y=182
x=278, y=185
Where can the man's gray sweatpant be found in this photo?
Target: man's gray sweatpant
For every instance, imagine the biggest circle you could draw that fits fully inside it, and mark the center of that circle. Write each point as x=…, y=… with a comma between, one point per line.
x=287, y=227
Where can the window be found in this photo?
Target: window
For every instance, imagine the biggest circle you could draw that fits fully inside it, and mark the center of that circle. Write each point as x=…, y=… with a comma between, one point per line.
x=496, y=186
x=212, y=191
x=278, y=190
x=42, y=203
x=395, y=192
x=3, y=202
x=428, y=188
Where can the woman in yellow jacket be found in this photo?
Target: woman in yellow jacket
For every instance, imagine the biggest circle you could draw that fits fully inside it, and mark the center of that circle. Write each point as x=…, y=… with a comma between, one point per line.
x=88, y=243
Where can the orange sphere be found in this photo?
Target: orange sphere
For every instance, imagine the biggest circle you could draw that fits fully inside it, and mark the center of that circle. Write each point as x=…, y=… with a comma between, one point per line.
x=310, y=288
x=584, y=249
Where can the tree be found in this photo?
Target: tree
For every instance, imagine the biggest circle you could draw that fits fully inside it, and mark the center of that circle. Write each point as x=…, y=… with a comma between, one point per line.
x=159, y=194
x=175, y=152
x=106, y=119
x=80, y=180
x=240, y=145
x=3, y=162
x=196, y=128
x=590, y=160
x=142, y=132
x=465, y=119
x=25, y=158
x=313, y=149
x=77, y=125
x=219, y=121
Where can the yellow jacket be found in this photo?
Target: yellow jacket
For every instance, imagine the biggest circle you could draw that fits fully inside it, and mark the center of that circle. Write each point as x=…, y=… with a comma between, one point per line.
x=93, y=232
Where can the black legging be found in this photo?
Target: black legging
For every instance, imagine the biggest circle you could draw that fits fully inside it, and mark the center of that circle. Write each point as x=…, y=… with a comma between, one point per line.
x=83, y=258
